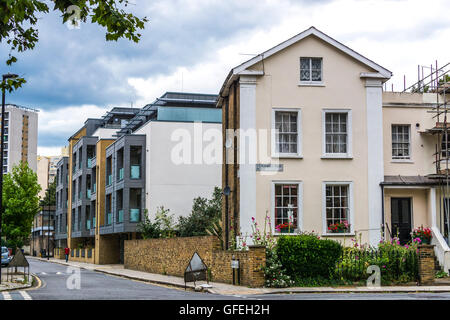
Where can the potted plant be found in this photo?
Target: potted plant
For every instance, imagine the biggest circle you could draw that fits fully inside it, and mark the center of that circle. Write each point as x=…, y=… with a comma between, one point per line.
x=424, y=234
x=286, y=227
x=339, y=227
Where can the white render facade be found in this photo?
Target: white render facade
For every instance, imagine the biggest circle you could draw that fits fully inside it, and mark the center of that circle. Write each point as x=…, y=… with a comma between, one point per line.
x=330, y=156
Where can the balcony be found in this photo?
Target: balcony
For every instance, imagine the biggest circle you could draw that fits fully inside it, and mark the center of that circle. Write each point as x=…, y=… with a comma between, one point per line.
x=88, y=194
x=120, y=216
x=135, y=172
x=90, y=163
x=109, y=180
x=109, y=218
x=88, y=224
x=120, y=173
x=135, y=215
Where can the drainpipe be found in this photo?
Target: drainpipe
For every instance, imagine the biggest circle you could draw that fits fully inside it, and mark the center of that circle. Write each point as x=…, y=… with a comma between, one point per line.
x=382, y=210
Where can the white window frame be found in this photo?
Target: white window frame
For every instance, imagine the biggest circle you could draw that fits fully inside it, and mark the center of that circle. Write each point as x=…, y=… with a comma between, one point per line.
x=310, y=82
x=351, y=219
x=404, y=159
x=298, y=154
x=349, y=154
x=299, y=204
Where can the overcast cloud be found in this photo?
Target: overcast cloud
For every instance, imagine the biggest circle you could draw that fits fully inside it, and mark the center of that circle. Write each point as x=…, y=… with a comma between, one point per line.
x=192, y=45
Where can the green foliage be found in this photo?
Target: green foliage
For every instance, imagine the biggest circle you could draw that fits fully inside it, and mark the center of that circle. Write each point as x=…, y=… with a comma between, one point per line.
x=50, y=195
x=147, y=228
x=306, y=256
x=20, y=203
x=18, y=21
x=397, y=263
x=441, y=274
x=274, y=273
x=162, y=227
x=204, y=218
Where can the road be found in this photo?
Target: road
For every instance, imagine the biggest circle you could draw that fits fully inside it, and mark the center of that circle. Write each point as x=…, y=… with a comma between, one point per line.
x=99, y=286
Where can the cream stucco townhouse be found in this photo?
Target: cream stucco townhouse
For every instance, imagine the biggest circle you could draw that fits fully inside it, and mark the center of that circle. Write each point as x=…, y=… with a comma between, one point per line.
x=311, y=139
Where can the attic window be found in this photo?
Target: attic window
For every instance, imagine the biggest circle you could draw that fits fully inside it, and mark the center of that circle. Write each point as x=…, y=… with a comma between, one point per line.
x=310, y=69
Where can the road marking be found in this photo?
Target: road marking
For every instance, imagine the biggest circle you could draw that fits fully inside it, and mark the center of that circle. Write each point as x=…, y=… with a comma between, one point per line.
x=43, y=273
x=59, y=273
x=6, y=295
x=25, y=295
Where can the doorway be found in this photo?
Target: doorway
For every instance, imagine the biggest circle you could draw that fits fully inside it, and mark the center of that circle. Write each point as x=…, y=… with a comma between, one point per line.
x=401, y=219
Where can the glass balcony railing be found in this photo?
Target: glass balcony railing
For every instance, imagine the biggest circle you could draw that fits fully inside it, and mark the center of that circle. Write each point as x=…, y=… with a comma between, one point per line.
x=88, y=193
x=120, y=216
x=109, y=181
x=79, y=195
x=109, y=218
x=120, y=173
x=135, y=215
x=93, y=223
x=94, y=188
x=88, y=225
x=135, y=172
x=90, y=163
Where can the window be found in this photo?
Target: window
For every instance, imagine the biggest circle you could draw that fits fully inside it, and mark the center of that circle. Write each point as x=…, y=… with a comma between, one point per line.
x=400, y=141
x=338, y=207
x=286, y=132
x=286, y=200
x=310, y=69
x=337, y=129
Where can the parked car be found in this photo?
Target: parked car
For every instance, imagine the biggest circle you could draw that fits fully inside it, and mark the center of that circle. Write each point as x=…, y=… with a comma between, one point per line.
x=6, y=256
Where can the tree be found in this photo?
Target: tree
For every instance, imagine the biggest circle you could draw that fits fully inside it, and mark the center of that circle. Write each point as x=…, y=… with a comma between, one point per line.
x=50, y=195
x=20, y=203
x=18, y=19
x=162, y=227
x=204, y=217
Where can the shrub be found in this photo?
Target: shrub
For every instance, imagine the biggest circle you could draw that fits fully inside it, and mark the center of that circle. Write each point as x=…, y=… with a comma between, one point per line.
x=205, y=214
x=307, y=256
x=397, y=263
x=274, y=272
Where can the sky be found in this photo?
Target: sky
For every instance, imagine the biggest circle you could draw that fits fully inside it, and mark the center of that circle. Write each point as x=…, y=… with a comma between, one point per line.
x=191, y=45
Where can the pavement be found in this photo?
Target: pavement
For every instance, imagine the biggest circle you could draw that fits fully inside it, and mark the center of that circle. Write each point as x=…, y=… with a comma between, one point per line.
x=443, y=286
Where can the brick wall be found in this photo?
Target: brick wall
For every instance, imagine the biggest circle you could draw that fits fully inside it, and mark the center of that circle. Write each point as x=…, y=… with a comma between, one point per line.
x=171, y=256
x=426, y=264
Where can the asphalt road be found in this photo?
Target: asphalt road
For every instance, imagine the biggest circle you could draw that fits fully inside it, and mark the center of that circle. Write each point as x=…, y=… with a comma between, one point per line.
x=99, y=286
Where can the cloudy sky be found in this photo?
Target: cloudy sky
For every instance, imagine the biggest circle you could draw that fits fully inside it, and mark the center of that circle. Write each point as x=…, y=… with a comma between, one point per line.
x=191, y=45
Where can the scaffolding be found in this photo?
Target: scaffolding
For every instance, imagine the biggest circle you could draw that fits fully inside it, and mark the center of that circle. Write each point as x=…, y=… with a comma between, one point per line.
x=438, y=82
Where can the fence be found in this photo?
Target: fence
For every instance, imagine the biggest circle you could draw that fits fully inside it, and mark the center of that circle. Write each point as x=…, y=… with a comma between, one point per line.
x=395, y=265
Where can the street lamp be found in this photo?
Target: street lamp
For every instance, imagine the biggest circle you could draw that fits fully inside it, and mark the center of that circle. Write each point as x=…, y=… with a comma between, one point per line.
x=4, y=78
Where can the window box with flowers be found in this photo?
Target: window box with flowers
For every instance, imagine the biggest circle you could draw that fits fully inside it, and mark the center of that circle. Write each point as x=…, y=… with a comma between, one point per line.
x=339, y=227
x=423, y=234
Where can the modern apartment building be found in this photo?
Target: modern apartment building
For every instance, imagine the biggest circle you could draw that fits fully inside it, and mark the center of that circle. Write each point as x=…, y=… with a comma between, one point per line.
x=62, y=201
x=21, y=132
x=311, y=140
x=120, y=167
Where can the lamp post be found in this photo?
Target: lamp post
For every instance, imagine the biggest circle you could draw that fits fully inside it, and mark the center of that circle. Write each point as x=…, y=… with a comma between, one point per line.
x=4, y=78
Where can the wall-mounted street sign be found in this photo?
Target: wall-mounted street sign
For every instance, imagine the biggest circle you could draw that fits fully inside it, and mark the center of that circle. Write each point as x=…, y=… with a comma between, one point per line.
x=196, y=270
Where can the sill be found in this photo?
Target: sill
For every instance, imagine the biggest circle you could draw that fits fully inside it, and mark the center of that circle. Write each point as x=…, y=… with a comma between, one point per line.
x=287, y=156
x=352, y=234
x=402, y=161
x=311, y=84
x=337, y=156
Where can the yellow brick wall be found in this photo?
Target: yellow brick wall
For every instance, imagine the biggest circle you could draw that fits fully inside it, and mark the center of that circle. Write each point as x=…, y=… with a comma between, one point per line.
x=171, y=257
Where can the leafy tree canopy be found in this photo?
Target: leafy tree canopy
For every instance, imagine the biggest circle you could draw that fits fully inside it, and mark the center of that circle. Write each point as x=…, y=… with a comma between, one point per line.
x=18, y=20
x=20, y=203
x=205, y=213
x=50, y=195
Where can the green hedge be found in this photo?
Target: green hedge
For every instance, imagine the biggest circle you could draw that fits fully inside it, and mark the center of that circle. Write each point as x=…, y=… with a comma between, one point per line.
x=306, y=256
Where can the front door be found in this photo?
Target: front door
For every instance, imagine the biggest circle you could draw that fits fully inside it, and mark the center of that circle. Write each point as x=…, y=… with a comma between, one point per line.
x=401, y=219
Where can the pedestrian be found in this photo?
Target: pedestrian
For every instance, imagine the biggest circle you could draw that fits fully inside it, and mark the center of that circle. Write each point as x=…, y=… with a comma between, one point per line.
x=66, y=252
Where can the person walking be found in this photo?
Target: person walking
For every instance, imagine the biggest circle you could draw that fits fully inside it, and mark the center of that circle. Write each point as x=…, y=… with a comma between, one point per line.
x=66, y=252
